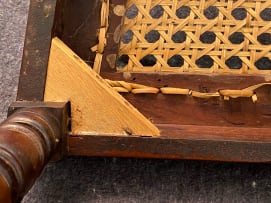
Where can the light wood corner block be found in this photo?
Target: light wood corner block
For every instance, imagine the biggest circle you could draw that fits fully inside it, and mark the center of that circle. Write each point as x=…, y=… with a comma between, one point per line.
x=96, y=107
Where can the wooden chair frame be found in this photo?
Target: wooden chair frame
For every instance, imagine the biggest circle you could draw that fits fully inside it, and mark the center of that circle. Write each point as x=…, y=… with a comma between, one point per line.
x=181, y=127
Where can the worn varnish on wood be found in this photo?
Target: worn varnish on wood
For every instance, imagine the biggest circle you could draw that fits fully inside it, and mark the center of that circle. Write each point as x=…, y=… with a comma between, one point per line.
x=190, y=128
x=170, y=109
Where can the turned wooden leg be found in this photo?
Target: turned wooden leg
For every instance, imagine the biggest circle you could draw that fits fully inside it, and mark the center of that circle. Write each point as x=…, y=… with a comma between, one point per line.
x=29, y=138
x=5, y=192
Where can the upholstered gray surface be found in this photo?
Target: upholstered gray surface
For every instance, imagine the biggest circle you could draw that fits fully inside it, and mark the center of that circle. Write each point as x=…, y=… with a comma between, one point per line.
x=81, y=179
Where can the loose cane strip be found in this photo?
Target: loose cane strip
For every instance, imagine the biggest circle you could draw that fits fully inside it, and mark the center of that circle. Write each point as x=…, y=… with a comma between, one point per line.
x=226, y=94
x=99, y=48
x=125, y=87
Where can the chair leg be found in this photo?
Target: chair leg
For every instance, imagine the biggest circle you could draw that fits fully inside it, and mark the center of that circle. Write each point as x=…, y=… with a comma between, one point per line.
x=29, y=138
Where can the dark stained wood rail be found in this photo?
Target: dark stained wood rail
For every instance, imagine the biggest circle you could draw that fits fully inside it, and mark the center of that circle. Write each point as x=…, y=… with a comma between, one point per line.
x=214, y=143
x=29, y=138
x=235, y=130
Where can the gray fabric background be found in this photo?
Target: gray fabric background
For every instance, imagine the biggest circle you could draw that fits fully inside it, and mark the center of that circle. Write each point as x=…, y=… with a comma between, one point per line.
x=82, y=179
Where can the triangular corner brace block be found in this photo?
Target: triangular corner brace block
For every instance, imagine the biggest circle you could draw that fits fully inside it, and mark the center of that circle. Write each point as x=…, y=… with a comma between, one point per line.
x=96, y=108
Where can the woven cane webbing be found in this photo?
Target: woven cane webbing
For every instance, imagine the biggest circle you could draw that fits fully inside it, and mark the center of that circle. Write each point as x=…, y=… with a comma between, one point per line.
x=215, y=36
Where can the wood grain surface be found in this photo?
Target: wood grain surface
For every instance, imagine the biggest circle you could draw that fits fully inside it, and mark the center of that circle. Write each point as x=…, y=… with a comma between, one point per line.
x=96, y=107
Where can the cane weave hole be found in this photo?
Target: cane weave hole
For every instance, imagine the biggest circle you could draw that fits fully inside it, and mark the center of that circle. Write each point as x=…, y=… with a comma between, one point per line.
x=213, y=36
x=127, y=37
